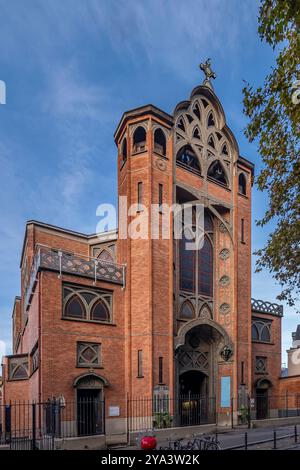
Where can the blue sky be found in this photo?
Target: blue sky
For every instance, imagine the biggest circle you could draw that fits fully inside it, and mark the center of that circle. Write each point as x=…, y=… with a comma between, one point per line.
x=71, y=68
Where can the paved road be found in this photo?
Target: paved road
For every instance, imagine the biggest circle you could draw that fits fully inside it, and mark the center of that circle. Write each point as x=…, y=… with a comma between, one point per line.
x=236, y=437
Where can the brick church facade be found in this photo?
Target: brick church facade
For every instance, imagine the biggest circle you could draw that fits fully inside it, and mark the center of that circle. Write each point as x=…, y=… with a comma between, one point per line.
x=117, y=317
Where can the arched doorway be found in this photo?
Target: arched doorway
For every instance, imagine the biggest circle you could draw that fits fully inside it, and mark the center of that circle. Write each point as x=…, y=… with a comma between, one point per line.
x=90, y=404
x=262, y=388
x=193, y=398
x=200, y=346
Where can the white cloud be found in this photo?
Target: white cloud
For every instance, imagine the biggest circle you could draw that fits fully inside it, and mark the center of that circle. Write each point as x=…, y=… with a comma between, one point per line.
x=3, y=349
x=67, y=95
x=170, y=33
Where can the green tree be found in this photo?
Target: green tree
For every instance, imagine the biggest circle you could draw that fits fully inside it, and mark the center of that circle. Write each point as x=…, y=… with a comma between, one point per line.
x=275, y=124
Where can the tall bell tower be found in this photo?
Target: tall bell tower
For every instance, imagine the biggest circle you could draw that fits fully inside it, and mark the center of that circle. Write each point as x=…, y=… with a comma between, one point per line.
x=145, y=161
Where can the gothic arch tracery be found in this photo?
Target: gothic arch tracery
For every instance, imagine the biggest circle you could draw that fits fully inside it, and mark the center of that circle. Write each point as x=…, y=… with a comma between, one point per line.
x=200, y=123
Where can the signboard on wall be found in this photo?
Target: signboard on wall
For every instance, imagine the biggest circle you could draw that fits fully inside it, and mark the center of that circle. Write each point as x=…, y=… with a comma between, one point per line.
x=114, y=411
x=225, y=392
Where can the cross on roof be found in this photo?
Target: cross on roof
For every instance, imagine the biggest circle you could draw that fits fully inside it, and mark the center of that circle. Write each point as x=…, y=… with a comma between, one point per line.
x=208, y=72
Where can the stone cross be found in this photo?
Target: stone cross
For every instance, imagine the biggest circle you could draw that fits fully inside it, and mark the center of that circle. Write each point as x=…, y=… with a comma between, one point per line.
x=208, y=72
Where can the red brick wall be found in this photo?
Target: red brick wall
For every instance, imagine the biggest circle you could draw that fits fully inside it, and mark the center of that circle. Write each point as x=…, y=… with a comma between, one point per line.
x=271, y=351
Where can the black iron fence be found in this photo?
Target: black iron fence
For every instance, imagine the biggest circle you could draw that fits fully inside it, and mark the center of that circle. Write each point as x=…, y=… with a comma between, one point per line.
x=264, y=406
x=274, y=438
x=36, y=425
x=165, y=412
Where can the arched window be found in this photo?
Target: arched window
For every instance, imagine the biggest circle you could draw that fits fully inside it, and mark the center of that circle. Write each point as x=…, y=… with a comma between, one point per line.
x=261, y=330
x=180, y=124
x=196, y=133
x=211, y=141
x=160, y=141
x=187, y=266
x=18, y=368
x=124, y=151
x=106, y=256
x=242, y=184
x=255, y=336
x=210, y=120
x=99, y=311
x=205, y=268
x=197, y=261
x=20, y=373
x=196, y=111
x=139, y=139
x=224, y=149
x=204, y=102
x=265, y=334
x=74, y=308
x=87, y=304
x=187, y=158
x=216, y=172
x=187, y=311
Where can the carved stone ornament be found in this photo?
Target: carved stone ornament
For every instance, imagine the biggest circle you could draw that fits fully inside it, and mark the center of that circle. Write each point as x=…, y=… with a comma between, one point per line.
x=160, y=164
x=224, y=254
x=226, y=353
x=205, y=313
x=224, y=281
x=224, y=308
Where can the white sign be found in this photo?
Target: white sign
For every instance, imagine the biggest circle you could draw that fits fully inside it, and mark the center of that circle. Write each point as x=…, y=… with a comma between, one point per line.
x=114, y=411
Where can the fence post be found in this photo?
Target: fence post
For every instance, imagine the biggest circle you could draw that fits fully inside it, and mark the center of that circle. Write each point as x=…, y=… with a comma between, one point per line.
x=33, y=424
x=104, y=415
x=249, y=412
x=232, y=413
x=296, y=436
x=246, y=441
x=275, y=441
x=287, y=404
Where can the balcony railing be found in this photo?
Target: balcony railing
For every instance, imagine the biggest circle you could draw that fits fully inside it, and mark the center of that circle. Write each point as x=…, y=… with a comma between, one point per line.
x=262, y=306
x=51, y=259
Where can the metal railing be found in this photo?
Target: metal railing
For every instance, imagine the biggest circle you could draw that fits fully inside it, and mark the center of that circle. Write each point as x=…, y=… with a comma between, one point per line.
x=274, y=439
x=71, y=263
x=27, y=425
x=165, y=412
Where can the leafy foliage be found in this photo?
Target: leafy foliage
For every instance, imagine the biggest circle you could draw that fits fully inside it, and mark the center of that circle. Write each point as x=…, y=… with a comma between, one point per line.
x=275, y=123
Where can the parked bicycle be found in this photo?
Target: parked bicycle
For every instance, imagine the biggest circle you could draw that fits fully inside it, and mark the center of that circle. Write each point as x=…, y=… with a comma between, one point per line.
x=204, y=442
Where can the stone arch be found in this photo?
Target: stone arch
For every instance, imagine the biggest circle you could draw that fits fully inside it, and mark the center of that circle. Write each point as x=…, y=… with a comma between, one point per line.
x=184, y=329
x=263, y=383
x=90, y=381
